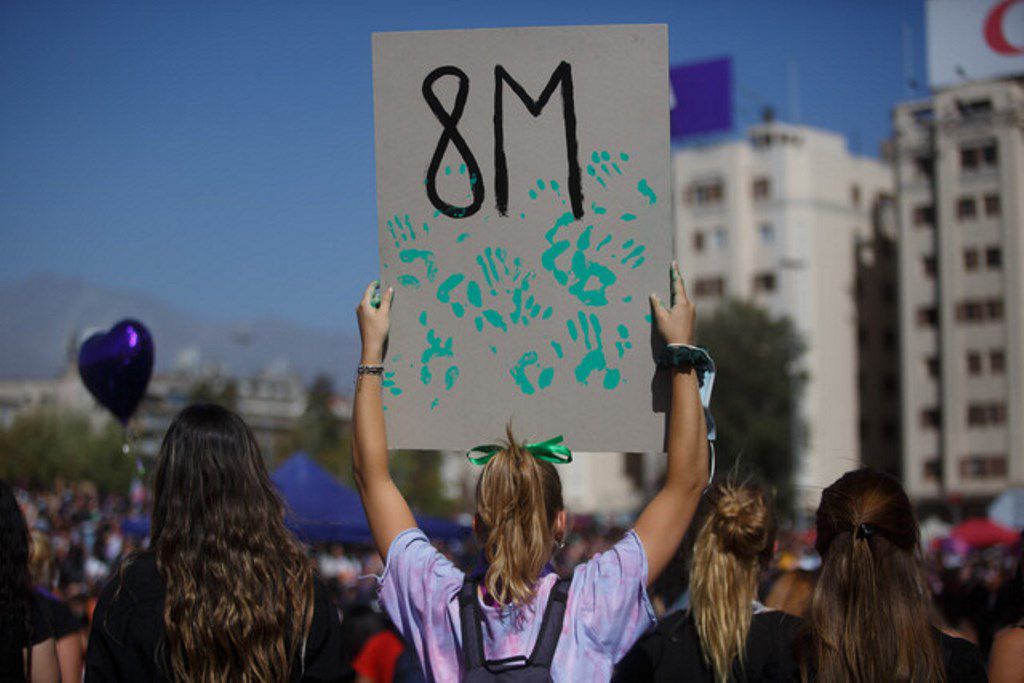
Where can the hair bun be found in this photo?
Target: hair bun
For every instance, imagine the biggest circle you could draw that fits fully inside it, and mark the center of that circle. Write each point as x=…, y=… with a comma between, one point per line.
x=743, y=519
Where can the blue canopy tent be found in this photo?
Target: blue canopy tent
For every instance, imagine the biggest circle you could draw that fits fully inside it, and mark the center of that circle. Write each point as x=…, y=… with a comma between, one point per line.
x=321, y=509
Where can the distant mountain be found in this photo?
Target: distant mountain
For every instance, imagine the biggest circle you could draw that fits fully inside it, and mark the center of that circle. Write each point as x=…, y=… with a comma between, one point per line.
x=44, y=316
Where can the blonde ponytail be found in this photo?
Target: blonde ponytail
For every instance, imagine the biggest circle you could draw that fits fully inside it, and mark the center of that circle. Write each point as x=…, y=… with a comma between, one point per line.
x=518, y=499
x=736, y=539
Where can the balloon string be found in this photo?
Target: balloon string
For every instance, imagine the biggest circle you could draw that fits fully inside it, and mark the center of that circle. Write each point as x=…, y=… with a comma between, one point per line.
x=126, y=448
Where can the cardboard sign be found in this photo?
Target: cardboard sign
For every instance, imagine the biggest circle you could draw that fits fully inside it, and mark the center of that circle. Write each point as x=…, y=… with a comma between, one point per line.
x=524, y=210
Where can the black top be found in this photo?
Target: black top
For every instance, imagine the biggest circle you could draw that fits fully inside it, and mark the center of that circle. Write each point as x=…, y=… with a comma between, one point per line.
x=62, y=621
x=128, y=624
x=671, y=652
x=12, y=658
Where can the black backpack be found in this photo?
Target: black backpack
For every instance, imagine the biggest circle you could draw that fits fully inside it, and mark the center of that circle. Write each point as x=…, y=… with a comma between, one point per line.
x=533, y=669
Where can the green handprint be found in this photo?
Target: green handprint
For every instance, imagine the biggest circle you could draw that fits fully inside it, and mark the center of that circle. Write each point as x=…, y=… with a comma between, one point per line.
x=404, y=235
x=594, y=360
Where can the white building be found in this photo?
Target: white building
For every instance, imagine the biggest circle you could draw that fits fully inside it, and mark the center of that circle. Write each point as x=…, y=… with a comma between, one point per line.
x=776, y=219
x=960, y=172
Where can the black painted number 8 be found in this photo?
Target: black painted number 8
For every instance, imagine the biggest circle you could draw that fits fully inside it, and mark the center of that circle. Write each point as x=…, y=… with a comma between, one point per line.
x=450, y=135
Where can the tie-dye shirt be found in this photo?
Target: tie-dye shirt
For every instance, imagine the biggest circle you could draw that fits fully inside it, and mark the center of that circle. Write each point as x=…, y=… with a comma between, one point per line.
x=606, y=612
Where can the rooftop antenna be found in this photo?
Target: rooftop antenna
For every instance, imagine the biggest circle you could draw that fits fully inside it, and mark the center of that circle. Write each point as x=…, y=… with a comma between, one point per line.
x=908, y=60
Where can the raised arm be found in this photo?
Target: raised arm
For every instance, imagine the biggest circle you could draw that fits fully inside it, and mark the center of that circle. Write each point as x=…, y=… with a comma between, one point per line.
x=664, y=521
x=386, y=509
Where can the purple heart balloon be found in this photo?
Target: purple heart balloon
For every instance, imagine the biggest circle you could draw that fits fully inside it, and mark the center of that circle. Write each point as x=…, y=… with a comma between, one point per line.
x=115, y=366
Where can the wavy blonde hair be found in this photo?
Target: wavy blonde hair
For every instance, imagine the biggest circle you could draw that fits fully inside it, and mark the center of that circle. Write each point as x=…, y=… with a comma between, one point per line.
x=735, y=542
x=239, y=585
x=517, y=501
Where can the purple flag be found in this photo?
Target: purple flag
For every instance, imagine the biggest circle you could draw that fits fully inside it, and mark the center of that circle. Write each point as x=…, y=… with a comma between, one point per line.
x=701, y=97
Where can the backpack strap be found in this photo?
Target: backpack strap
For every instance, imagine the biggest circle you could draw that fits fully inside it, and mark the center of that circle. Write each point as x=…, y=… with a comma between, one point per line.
x=472, y=630
x=551, y=625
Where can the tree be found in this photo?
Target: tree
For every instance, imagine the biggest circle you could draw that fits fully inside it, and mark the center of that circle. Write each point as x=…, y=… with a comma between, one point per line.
x=321, y=433
x=223, y=393
x=757, y=386
x=42, y=446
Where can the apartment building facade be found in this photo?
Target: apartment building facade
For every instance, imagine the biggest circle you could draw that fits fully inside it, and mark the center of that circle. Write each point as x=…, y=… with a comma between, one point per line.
x=960, y=173
x=776, y=219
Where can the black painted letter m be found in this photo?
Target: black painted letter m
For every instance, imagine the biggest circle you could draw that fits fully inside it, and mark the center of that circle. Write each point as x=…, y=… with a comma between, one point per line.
x=562, y=76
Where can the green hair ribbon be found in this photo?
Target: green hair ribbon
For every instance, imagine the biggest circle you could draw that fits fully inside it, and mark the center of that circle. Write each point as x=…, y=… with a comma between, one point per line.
x=550, y=450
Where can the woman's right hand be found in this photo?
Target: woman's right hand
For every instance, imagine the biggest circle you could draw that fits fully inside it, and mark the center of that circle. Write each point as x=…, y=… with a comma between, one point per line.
x=675, y=324
x=374, y=323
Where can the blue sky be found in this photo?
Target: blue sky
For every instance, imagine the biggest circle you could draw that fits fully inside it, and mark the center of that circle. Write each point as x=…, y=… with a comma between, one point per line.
x=220, y=155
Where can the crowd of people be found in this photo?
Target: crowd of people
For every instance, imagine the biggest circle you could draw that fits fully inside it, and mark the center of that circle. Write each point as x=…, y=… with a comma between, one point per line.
x=704, y=586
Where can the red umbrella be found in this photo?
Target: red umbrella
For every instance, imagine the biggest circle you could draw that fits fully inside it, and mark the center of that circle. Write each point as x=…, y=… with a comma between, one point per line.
x=979, y=532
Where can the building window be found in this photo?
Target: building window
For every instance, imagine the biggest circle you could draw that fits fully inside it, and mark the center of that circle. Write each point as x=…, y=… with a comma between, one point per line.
x=706, y=192
x=927, y=316
x=764, y=282
x=767, y=233
x=931, y=366
x=970, y=259
x=762, y=188
x=924, y=215
x=985, y=414
x=709, y=286
x=994, y=258
x=855, y=195
x=721, y=238
x=929, y=265
x=992, y=205
x=966, y=208
x=888, y=292
x=924, y=166
x=979, y=311
x=973, y=363
x=997, y=361
x=982, y=466
x=978, y=157
x=889, y=384
x=698, y=242
x=994, y=309
x=932, y=469
x=931, y=417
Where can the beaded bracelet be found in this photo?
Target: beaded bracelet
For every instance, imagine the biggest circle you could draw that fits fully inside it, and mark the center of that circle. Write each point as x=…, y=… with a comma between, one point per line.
x=370, y=370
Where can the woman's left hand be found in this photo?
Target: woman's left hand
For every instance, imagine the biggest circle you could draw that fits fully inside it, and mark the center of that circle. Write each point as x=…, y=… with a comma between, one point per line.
x=374, y=323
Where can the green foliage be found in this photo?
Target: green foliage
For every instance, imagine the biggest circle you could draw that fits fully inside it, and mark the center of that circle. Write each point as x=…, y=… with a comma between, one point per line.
x=757, y=386
x=46, y=445
x=222, y=393
x=320, y=433
x=418, y=476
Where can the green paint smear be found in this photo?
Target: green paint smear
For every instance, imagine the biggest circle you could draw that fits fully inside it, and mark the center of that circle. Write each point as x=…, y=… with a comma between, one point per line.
x=450, y=283
x=627, y=299
x=447, y=170
x=435, y=348
x=479, y=322
x=639, y=262
x=518, y=372
x=556, y=188
x=627, y=217
x=423, y=319
x=623, y=331
x=425, y=375
x=623, y=156
x=595, y=157
x=645, y=189
x=540, y=184
x=493, y=348
x=545, y=377
x=599, y=210
x=558, y=349
x=473, y=293
x=433, y=404
x=462, y=169
x=648, y=318
x=606, y=240
x=601, y=181
x=451, y=376
x=395, y=391
x=494, y=318
x=458, y=309
x=409, y=281
x=413, y=255
x=633, y=254
x=547, y=313
x=533, y=194
x=573, y=334
x=462, y=238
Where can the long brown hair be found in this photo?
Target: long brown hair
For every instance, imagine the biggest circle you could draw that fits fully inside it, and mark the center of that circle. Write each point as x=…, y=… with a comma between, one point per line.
x=735, y=542
x=868, y=619
x=517, y=500
x=239, y=586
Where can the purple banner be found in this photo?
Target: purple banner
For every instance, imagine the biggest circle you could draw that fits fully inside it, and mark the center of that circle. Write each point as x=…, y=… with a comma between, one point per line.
x=702, y=97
